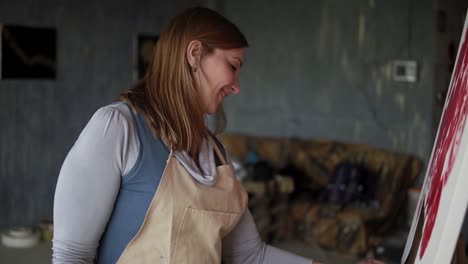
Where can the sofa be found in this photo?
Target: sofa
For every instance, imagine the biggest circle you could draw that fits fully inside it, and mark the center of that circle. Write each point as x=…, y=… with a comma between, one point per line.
x=305, y=215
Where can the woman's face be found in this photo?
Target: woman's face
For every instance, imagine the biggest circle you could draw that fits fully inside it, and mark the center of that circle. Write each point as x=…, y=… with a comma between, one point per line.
x=218, y=76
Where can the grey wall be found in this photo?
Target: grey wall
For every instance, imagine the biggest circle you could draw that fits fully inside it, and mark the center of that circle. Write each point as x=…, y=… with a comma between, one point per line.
x=40, y=120
x=321, y=69
x=453, y=13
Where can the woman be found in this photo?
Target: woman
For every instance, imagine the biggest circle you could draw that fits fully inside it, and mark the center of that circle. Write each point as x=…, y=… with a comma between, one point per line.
x=146, y=181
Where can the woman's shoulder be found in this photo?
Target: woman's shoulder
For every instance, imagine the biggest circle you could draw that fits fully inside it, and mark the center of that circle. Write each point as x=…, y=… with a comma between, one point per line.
x=109, y=119
x=117, y=108
x=115, y=113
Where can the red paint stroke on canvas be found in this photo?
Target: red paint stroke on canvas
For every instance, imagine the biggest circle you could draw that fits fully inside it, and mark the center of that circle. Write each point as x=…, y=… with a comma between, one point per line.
x=448, y=141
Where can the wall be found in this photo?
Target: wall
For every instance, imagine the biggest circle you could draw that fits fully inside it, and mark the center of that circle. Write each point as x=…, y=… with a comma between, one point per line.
x=322, y=69
x=40, y=120
x=451, y=16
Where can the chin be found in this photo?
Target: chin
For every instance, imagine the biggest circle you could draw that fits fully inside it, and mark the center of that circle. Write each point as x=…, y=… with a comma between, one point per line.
x=211, y=112
x=213, y=109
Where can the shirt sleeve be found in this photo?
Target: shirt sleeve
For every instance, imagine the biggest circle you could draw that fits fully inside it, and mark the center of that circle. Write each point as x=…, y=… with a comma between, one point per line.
x=244, y=245
x=88, y=185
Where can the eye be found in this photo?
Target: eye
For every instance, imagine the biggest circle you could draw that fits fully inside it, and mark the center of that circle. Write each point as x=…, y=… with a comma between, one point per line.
x=233, y=67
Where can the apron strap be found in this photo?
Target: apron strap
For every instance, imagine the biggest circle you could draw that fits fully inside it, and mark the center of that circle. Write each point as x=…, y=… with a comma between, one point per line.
x=216, y=149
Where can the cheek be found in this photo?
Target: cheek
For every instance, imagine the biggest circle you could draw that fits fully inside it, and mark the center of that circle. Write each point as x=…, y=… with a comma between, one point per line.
x=217, y=76
x=219, y=79
x=227, y=77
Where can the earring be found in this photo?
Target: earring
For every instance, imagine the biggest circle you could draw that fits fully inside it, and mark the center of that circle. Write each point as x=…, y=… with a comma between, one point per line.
x=194, y=68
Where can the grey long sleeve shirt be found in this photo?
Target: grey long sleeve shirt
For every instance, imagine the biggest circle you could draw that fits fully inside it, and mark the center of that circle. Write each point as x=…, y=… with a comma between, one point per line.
x=85, y=195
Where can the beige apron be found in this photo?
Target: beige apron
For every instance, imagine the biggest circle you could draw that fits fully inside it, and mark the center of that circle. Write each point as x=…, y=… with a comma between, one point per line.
x=187, y=221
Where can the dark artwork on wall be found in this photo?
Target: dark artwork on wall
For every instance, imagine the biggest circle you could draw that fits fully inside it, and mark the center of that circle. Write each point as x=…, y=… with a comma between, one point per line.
x=145, y=48
x=28, y=52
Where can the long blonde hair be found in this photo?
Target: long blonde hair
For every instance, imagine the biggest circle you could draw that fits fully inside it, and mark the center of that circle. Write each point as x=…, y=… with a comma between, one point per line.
x=167, y=95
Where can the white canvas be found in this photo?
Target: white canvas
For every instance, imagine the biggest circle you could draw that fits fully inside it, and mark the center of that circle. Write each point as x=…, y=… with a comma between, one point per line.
x=444, y=195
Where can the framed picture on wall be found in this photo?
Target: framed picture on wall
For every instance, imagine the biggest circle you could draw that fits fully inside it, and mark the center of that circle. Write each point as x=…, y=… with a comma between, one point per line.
x=145, y=47
x=28, y=52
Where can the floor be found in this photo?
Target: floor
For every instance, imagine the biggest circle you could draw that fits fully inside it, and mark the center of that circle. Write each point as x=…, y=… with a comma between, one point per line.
x=330, y=257
x=41, y=254
x=315, y=253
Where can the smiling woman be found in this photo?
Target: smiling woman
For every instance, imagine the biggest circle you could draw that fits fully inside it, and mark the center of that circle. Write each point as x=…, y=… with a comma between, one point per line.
x=147, y=181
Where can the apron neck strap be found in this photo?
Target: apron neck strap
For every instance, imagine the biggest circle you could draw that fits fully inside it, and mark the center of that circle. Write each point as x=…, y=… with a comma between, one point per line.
x=217, y=150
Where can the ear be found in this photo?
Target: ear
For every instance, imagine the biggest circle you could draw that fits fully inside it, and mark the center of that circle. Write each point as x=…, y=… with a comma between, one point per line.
x=193, y=52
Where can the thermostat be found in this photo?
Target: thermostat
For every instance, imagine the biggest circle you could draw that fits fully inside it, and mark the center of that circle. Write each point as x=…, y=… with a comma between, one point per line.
x=405, y=71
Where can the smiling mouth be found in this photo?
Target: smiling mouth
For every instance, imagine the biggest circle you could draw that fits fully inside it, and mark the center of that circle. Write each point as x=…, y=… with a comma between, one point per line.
x=224, y=93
